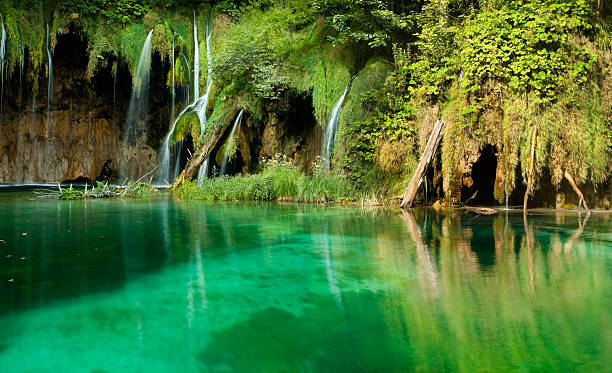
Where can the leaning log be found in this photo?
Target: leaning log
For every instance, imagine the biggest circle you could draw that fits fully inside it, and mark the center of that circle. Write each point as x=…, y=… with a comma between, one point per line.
x=426, y=159
x=194, y=163
x=530, y=175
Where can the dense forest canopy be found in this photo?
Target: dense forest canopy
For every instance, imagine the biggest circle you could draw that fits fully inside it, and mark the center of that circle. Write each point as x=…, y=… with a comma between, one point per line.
x=492, y=69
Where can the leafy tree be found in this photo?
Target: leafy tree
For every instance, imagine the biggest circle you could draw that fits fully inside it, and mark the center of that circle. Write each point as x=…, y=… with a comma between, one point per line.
x=375, y=22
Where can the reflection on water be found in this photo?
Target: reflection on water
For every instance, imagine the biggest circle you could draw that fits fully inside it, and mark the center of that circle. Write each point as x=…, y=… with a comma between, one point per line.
x=183, y=286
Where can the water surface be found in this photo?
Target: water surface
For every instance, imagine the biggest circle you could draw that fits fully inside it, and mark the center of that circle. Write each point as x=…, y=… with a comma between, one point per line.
x=167, y=286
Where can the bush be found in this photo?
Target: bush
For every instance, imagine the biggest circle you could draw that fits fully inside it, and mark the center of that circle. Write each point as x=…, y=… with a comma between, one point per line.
x=279, y=180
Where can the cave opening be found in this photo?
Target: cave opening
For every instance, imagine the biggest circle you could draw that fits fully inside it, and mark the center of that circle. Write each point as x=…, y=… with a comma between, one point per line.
x=160, y=99
x=516, y=196
x=481, y=190
x=301, y=136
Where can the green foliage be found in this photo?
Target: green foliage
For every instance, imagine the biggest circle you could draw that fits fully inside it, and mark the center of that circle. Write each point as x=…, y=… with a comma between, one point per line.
x=527, y=46
x=383, y=120
x=251, y=53
x=70, y=194
x=121, y=11
x=371, y=21
x=279, y=180
x=139, y=190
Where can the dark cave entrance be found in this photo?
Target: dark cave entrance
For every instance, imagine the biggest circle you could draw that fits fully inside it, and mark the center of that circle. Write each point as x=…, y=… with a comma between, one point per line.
x=481, y=192
x=516, y=196
x=291, y=130
x=160, y=97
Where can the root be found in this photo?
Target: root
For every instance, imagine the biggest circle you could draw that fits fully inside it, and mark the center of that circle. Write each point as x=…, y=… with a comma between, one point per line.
x=582, y=201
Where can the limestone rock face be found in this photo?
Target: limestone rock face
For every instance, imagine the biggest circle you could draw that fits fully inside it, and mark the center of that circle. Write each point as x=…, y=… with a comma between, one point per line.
x=78, y=134
x=34, y=148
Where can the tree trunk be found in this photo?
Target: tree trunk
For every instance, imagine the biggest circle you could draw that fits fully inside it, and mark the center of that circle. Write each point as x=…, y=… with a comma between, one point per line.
x=581, y=200
x=194, y=163
x=530, y=176
x=426, y=159
x=599, y=7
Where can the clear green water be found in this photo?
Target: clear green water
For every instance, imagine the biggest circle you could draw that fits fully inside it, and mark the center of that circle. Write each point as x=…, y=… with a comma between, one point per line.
x=165, y=286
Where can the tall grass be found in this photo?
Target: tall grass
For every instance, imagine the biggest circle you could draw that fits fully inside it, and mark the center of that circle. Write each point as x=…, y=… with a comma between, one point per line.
x=279, y=180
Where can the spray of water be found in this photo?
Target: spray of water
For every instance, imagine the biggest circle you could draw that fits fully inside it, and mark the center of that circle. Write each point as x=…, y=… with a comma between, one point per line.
x=203, y=171
x=332, y=126
x=2, y=59
x=50, y=82
x=230, y=142
x=139, y=103
x=196, y=60
x=198, y=106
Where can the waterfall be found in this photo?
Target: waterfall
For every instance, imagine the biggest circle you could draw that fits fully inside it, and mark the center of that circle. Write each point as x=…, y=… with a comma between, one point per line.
x=2, y=59
x=203, y=171
x=198, y=105
x=230, y=141
x=50, y=82
x=114, y=92
x=201, y=110
x=139, y=101
x=172, y=92
x=332, y=126
x=186, y=66
x=196, y=60
x=21, y=62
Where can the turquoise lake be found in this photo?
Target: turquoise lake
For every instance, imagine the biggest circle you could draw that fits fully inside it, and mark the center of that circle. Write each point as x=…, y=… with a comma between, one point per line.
x=180, y=286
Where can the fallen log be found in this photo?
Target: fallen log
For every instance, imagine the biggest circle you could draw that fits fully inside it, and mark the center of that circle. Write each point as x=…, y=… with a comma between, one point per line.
x=482, y=210
x=194, y=163
x=426, y=159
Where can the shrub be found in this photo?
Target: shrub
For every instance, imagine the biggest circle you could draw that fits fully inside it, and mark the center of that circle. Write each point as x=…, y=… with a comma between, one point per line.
x=278, y=180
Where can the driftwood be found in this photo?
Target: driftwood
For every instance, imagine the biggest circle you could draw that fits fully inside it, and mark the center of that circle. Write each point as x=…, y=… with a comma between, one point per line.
x=582, y=201
x=530, y=176
x=194, y=163
x=426, y=159
x=102, y=190
x=482, y=210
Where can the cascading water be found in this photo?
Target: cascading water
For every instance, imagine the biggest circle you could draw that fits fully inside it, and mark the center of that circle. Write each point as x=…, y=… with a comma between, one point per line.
x=196, y=60
x=139, y=102
x=198, y=106
x=186, y=66
x=114, y=91
x=2, y=57
x=21, y=63
x=50, y=82
x=203, y=171
x=332, y=127
x=230, y=143
x=173, y=91
x=165, y=151
x=202, y=109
